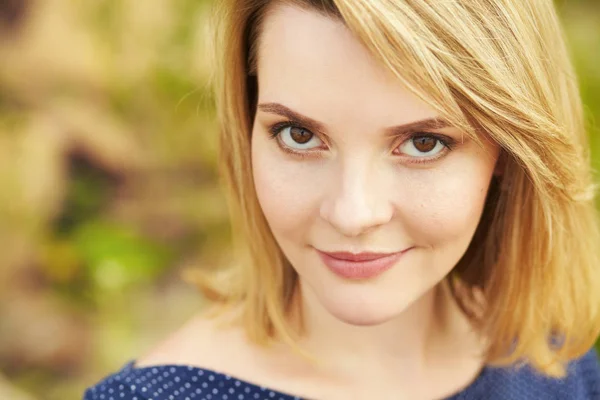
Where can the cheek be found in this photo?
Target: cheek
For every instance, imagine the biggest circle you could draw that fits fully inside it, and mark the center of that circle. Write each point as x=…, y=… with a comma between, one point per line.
x=287, y=190
x=446, y=206
x=435, y=207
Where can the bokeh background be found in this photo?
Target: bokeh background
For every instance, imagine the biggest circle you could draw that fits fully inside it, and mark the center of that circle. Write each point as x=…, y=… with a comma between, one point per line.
x=108, y=182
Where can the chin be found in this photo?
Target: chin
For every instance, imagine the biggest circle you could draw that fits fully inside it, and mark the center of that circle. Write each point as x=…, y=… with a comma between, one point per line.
x=363, y=313
x=356, y=319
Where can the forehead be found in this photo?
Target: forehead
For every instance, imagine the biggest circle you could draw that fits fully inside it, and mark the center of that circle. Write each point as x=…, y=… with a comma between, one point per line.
x=313, y=63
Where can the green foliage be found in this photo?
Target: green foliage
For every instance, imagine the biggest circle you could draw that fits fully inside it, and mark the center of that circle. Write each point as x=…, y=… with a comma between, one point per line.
x=117, y=256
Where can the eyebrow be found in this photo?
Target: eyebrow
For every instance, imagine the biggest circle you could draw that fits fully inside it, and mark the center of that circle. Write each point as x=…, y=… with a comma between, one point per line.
x=411, y=127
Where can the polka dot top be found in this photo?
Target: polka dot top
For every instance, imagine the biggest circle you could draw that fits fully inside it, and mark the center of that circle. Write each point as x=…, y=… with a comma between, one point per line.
x=181, y=382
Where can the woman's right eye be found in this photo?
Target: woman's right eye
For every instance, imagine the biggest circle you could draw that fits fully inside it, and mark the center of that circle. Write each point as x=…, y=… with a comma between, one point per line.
x=297, y=138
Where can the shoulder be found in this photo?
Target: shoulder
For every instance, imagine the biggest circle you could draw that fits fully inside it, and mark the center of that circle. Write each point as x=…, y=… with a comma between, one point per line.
x=217, y=344
x=167, y=382
x=114, y=386
x=586, y=372
x=197, y=338
x=196, y=361
x=582, y=382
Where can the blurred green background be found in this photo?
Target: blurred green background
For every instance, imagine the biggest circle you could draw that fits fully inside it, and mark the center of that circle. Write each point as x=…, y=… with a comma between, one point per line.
x=108, y=183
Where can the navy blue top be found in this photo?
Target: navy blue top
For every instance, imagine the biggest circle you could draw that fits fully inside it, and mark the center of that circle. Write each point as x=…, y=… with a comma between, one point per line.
x=181, y=382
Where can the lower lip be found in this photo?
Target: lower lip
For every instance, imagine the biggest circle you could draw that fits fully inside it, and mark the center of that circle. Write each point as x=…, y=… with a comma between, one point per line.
x=360, y=269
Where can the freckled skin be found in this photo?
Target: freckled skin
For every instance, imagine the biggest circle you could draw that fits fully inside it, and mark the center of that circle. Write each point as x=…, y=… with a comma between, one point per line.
x=356, y=195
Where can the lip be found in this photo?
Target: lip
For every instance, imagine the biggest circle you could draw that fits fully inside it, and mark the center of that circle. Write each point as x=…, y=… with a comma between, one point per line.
x=356, y=266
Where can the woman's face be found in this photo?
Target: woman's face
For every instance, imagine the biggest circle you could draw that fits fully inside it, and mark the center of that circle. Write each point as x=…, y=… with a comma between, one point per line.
x=345, y=159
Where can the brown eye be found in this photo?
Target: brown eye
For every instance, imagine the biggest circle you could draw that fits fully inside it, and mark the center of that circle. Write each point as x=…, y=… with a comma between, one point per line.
x=300, y=135
x=298, y=138
x=424, y=144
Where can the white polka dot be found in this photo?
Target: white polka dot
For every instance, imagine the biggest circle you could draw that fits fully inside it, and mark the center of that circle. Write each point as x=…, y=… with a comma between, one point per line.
x=171, y=383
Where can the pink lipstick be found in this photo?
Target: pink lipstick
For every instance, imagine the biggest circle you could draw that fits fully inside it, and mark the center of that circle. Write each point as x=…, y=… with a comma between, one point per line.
x=360, y=265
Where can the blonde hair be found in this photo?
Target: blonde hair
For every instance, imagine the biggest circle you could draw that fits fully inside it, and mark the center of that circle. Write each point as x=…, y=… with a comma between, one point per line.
x=497, y=69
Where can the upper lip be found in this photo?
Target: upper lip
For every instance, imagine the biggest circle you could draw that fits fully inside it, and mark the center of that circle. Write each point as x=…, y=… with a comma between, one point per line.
x=357, y=257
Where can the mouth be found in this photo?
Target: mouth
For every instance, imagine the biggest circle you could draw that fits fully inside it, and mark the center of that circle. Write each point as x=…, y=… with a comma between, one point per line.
x=360, y=266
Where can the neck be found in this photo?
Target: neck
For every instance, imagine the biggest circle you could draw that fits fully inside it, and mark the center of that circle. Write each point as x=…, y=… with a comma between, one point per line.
x=404, y=344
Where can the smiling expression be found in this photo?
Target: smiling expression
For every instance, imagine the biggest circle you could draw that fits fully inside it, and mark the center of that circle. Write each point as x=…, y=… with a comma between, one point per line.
x=346, y=159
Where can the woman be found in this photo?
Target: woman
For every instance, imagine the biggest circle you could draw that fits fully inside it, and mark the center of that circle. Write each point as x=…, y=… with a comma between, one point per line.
x=412, y=192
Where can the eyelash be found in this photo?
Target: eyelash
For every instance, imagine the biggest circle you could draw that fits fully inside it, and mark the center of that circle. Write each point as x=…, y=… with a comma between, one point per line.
x=447, y=142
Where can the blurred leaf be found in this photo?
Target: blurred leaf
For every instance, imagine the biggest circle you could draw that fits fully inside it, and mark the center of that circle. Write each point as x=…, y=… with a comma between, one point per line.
x=172, y=84
x=61, y=262
x=117, y=256
x=89, y=191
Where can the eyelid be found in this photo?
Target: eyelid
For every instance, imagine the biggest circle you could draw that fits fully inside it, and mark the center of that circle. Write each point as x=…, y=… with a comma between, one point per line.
x=412, y=134
x=275, y=129
x=446, y=141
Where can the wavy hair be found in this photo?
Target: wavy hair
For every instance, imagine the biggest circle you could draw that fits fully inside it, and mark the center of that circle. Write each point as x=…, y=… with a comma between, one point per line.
x=497, y=69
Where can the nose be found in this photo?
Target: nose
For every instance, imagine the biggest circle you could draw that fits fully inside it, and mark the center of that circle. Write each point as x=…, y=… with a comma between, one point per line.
x=358, y=200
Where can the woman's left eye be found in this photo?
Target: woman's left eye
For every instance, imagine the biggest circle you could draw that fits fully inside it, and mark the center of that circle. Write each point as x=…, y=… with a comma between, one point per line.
x=422, y=146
